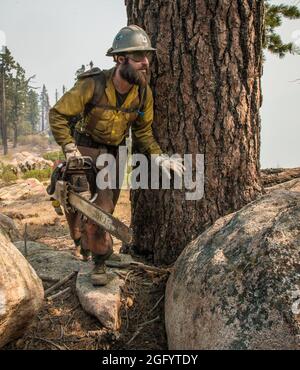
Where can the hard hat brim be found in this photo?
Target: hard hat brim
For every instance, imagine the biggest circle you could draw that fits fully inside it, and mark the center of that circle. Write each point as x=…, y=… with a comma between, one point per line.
x=128, y=50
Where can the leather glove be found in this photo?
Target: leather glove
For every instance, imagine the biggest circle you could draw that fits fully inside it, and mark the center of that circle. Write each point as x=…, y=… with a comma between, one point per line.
x=71, y=150
x=167, y=164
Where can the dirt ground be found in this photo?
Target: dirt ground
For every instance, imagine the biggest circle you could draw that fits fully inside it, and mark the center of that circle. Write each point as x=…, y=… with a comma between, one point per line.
x=62, y=323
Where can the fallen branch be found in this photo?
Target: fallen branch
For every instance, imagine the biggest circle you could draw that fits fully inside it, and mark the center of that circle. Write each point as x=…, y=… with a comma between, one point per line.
x=141, y=327
x=69, y=320
x=48, y=278
x=60, y=283
x=149, y=268
x=48, y=341
x=140, y=265
x=157, y=303
x=59, y=293
x=274, y=176
x=122, y=276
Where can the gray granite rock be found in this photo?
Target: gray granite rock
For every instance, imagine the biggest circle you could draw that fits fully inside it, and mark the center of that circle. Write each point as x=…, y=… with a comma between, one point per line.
x=236, y=286
x=50, y=264
x=102, y=302
x=22, y=189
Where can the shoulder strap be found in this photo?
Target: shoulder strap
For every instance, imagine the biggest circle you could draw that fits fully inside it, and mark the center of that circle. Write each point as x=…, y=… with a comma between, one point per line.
x=100, y=84
x=142, y=95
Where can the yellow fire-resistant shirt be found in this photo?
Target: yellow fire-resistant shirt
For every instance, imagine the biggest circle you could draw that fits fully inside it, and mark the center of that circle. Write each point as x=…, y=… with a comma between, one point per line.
x=111, y=125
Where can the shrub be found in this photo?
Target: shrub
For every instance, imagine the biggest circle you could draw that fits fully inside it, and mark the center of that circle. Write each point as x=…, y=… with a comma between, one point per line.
x=54, y=156
x=7, y=174
x=38, y=174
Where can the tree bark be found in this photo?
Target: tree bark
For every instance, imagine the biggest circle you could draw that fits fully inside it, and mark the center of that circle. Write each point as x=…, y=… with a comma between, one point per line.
x=207, y=92
x=15, y=128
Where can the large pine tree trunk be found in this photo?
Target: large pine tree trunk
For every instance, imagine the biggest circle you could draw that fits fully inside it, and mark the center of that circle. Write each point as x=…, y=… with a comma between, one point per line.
x=207, y=91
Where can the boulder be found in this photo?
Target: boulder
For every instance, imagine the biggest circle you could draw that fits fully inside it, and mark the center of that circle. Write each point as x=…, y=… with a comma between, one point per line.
x=21, y=291
x=25, y=161
x=50, y=264
x=8, y=226
x=102, y=302
x=21, y=190
x=236, y=286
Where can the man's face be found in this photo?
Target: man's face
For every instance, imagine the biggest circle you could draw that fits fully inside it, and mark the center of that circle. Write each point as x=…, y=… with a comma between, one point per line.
x=134, y=67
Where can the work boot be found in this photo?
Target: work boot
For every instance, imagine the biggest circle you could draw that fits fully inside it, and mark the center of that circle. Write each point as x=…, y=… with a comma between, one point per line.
x=98, y=275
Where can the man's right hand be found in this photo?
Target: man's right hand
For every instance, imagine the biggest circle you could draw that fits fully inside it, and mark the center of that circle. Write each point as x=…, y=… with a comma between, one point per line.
x=70, y=150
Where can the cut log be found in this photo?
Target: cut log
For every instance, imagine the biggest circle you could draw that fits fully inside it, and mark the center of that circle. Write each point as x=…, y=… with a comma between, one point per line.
x=274, y=176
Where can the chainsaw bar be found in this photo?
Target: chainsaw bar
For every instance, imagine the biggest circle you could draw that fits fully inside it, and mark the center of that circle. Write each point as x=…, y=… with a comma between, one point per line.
x=100, y=217
x=69, y=199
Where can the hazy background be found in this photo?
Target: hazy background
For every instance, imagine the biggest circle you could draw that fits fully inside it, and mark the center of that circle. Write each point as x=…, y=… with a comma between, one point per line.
x=52, y=39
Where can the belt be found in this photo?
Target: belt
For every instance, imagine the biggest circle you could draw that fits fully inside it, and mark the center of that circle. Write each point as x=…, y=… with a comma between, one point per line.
x=82, y=139
x=86, y=140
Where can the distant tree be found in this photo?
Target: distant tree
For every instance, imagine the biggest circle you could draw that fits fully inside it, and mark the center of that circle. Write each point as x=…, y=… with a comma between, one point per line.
x=56, y=96
x=45, y=107
x=8, y=64
x=18, y=101
x=273, y=19
x=33, y=113
x=64, y=89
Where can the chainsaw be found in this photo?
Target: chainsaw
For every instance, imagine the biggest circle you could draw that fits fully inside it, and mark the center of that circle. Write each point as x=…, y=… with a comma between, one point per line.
x=70, y=180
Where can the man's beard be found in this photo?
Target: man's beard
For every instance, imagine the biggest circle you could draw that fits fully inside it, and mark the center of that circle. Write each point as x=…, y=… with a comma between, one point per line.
x=132, y=76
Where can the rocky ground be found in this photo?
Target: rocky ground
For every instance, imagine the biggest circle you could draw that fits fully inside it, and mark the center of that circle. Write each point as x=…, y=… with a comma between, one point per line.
x=62, y=323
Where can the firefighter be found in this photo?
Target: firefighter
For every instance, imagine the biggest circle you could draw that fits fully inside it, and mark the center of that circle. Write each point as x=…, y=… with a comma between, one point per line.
x=110, y=102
